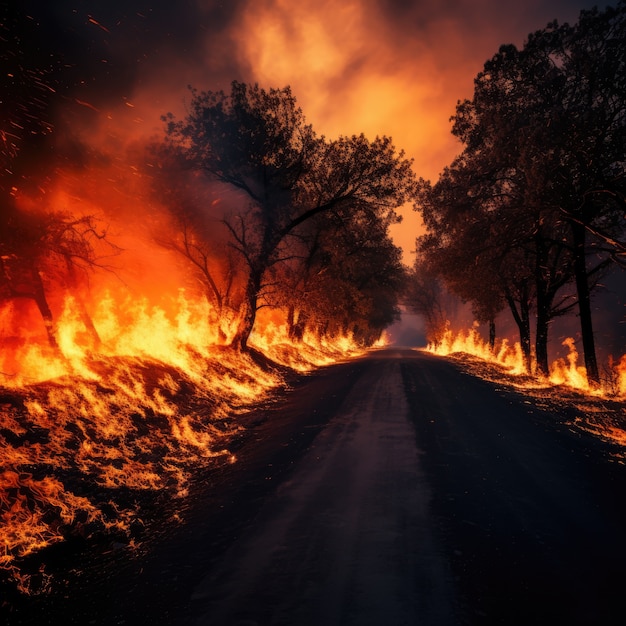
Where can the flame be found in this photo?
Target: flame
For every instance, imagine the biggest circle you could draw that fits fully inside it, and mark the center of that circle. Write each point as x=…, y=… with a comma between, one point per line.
x=470, y=342
x=565, y=371
x=306, y=355
x=141, y=391
x=136, y=406
x=139, y=394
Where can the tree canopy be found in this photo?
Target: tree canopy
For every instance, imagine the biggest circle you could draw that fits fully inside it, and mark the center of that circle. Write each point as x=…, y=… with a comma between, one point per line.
x=534, y=206
x=257, y=142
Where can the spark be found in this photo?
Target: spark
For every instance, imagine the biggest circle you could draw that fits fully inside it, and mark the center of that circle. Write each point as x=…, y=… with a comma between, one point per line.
x=86, y=104
x=95, y=22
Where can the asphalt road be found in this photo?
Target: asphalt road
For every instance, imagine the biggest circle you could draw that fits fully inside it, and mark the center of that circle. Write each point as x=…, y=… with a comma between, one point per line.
x=389, y=490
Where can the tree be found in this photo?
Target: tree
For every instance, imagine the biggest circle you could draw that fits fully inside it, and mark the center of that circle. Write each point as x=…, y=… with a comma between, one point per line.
x=196, y=231
x=426, y=296
x=454, y=248
x=474, y=247
x=258, y=143
x=38, y=251
x=358, y=276
x=588, y=129
x=544, y=161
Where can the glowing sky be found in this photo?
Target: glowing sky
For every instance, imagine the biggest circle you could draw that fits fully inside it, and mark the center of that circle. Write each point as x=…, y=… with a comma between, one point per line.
x=393, y=67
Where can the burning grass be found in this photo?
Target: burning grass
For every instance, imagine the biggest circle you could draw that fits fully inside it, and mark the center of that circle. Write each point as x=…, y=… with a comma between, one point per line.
x=600, y=412
x=94, y=435
x=565, y=371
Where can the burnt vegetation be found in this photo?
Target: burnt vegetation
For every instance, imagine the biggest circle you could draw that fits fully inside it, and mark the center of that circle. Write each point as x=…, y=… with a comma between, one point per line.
x=532, y=214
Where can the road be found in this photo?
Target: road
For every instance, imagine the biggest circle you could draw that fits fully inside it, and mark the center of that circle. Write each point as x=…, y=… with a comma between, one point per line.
x=388, y=490
x=348, y=538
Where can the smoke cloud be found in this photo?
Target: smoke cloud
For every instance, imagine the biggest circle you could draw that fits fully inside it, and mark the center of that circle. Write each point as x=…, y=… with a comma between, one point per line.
x=93, y=73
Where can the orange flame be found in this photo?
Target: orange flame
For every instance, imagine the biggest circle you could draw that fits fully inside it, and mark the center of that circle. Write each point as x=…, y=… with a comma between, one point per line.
x=141, y=390
x=138, y=405
x=470, y=342
x=565, y=371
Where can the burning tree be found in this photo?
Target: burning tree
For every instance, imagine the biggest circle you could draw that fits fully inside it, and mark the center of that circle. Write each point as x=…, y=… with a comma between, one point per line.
x=197, y=232
x=348, y=280
x=492, y=245
x=258, y=143
x=38, y=250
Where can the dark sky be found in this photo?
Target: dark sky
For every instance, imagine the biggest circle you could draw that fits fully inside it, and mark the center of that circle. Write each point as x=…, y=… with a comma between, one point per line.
x=394, y=67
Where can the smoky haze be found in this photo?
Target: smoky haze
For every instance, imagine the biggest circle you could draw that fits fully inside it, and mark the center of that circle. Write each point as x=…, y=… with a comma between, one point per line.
x=82, y=81
x=389, y=67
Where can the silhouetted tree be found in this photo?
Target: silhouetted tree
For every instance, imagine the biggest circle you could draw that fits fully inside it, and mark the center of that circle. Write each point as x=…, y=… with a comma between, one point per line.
x=196, y=230
x=42, y=250
x=426, y=296
x=359, y=275
x=257, y=142
x=544, y=163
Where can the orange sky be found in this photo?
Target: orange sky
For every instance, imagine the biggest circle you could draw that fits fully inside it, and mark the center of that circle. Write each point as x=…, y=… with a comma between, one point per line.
x=381, y=67
x=393, y=68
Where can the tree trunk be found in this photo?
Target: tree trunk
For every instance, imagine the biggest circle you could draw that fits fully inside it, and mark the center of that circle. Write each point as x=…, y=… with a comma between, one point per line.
x=88, y=322
x=39, y=296
x=86, y=319
x=291, y=320
x=525, y=343
x=249, y=306
x=522, y=319
x=300, y=327
x=584, y=305
x=544, y=303
x=541, y=342
x=492, y=334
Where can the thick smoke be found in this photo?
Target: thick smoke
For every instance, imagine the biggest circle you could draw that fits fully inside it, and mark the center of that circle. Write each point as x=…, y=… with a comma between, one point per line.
x=392, y=67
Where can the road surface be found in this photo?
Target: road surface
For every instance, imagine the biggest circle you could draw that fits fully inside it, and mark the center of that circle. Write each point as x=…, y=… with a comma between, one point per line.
x=389, y=490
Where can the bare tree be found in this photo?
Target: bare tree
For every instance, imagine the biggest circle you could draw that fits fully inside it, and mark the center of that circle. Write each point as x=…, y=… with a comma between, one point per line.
x=41, y=251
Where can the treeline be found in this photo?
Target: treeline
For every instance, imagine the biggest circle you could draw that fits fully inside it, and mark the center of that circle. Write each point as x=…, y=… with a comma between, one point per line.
x=532, y=213
x=297, y=221
x=265, y=213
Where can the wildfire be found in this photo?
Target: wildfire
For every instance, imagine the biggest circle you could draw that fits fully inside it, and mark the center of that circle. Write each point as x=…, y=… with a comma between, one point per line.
x=131, y=403
x=565, y=371
x=312, y=352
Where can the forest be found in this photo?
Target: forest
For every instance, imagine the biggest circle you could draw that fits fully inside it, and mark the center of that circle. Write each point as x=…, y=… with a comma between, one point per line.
x=531, y=216
x=264, y=213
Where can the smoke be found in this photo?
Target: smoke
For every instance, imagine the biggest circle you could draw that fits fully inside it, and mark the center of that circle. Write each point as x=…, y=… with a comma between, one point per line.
x=84, y=83
x=393, y=67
